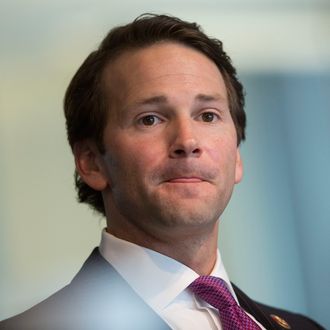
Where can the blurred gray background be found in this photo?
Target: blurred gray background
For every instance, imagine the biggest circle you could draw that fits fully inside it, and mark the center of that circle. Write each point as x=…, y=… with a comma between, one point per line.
x=274, y=236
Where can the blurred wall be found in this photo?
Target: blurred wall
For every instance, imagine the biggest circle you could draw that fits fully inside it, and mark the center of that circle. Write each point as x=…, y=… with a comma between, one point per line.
x=273, y=236
x=282, y=208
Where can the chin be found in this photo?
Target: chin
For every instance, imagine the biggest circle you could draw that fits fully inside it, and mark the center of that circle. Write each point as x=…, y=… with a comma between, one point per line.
x=192, y=216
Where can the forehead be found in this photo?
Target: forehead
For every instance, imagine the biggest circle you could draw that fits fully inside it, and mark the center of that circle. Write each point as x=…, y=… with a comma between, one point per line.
x=165, y=67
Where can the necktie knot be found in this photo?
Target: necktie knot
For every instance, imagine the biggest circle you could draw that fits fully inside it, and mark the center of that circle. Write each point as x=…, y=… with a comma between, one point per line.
x=214, y=291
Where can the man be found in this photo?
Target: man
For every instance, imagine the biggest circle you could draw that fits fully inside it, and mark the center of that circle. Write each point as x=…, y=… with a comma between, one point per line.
x=155, y=118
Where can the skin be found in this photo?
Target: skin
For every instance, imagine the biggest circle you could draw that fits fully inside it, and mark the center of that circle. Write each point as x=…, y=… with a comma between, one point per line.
x=171, y=158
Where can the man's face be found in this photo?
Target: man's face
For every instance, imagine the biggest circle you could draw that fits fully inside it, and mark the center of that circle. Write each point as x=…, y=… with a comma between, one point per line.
x=171, y=151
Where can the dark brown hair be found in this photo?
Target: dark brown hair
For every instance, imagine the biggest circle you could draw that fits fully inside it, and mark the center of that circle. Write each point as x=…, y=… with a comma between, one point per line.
x=85, y=105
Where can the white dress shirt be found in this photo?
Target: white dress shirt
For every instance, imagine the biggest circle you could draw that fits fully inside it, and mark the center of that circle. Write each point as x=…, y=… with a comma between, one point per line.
x=162, y=283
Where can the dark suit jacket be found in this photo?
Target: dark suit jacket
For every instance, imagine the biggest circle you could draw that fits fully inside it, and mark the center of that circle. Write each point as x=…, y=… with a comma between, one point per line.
x=99, y=298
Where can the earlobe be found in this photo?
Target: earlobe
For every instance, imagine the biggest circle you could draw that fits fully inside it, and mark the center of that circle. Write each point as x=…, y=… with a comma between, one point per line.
x=238, y=167
x=89, y=165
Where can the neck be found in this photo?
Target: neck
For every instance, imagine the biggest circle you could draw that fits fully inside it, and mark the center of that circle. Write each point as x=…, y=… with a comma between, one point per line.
x=194, y=247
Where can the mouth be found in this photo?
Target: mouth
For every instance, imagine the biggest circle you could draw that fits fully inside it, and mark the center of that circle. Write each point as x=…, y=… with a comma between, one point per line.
x=185, y=175
x=185, y=180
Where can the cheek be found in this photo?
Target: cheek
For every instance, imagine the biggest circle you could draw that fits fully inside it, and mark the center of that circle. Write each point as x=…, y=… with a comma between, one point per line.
x=223, y=151
x=133, y=158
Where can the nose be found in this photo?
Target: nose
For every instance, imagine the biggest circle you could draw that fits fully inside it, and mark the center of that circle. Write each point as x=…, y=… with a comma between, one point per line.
x=185, y=142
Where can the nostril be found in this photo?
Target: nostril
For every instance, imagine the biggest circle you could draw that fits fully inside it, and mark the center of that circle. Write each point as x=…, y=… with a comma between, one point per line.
x=184, y=153
x=179, y=152
x=196, y=151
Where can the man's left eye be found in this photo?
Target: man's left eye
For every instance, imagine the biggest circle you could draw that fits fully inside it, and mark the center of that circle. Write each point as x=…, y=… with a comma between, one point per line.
x=209, y=117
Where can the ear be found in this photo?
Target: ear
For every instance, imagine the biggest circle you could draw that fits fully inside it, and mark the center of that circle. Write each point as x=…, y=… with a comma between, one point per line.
x=238, y=167
x=90, y=165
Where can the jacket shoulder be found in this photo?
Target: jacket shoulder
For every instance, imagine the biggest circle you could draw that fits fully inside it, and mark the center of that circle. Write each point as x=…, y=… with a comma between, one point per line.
x=97, y=298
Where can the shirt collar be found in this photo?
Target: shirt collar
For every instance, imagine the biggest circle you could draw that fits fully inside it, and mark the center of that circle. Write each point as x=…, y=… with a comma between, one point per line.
x=156, y=278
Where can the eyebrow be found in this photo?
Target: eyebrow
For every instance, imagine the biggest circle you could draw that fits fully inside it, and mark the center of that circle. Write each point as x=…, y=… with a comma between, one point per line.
x=154, y=100
x=162, y=99
x=209, y=98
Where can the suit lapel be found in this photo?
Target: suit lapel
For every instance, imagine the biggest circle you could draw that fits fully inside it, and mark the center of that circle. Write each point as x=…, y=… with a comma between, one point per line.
x=117, y=303
x=253, y=308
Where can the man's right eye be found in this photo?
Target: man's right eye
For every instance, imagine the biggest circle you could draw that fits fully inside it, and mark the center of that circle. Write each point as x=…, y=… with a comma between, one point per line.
x=149, y=120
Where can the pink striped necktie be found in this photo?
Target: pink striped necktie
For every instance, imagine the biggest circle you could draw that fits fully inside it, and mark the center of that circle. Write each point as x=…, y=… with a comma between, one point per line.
x=214, y=291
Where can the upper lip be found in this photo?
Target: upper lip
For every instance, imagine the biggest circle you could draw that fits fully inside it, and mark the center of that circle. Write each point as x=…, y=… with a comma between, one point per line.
x=186, y=177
